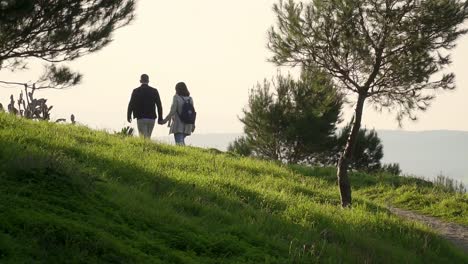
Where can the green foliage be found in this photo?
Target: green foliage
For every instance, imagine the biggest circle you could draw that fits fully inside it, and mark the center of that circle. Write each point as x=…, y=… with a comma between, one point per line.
x=393, y=53
x=368, y=151
x=366, y=157
x=67, y=31
x=240, y=146
x=71, y=29
x=449, y=184
x=57, y=77
x=294, y=121
x=387, y=51
x=392, y=168
x=126, y=131
x=70, y=194
x=54, y=31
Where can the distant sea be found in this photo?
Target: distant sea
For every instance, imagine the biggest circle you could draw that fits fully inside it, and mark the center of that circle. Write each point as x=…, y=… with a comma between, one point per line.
x=423, y=153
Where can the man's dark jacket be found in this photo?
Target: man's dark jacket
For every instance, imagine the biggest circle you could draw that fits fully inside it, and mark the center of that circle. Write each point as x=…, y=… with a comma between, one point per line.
x=143, y=103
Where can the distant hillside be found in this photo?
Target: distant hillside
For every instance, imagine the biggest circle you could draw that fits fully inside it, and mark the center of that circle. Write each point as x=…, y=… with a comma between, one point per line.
x=426, y=153
x=69, y=194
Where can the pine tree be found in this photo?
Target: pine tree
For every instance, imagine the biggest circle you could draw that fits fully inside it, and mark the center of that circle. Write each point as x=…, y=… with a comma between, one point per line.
x=368, y=151
x=294, y=120
x=391, y=53
x=56, y=31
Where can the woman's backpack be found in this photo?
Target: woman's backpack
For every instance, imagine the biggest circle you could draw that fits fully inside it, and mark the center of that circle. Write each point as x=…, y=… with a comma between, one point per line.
x=188, y=114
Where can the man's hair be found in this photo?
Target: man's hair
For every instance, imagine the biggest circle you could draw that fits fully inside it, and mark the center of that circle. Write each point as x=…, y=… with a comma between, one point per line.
x=144, y=78
x=181, y=89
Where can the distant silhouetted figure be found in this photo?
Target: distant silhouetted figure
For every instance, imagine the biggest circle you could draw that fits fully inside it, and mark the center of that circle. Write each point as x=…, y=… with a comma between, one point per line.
x=182, y=115
x=143, y=105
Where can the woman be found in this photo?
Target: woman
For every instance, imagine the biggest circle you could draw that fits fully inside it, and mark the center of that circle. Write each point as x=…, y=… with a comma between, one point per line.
x=177, y=127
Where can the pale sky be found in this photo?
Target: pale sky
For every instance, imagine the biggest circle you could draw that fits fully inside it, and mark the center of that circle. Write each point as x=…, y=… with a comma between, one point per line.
x=219, y=49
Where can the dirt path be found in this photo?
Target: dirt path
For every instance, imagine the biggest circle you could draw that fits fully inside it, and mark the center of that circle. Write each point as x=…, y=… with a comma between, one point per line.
x=455, y=233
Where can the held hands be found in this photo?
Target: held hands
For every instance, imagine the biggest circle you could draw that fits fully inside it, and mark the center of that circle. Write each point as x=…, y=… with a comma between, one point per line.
x=129, y=119
x=161, y=121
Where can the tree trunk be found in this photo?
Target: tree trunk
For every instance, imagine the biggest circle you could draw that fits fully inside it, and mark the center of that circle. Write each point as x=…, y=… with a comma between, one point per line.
x=345, y=159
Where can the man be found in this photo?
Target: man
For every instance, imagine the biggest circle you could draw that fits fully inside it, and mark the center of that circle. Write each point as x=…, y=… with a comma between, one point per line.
x=143, y=105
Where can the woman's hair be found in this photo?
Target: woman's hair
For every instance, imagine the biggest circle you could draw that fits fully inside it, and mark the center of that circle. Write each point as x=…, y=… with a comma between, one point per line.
x=181, y=89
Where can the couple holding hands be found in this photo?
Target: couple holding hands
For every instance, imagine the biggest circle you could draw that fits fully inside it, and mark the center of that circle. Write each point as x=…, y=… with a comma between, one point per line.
x=145, y=101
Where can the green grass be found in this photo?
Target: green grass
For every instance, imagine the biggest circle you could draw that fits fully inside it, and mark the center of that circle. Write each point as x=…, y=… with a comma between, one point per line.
x=71, y=194
x=405, y=192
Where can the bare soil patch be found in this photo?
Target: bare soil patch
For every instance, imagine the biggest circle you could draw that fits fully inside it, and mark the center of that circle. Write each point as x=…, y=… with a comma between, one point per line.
x=455, y=233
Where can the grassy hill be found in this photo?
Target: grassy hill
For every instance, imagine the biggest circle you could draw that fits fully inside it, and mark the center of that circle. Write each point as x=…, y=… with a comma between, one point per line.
x=71, y=194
